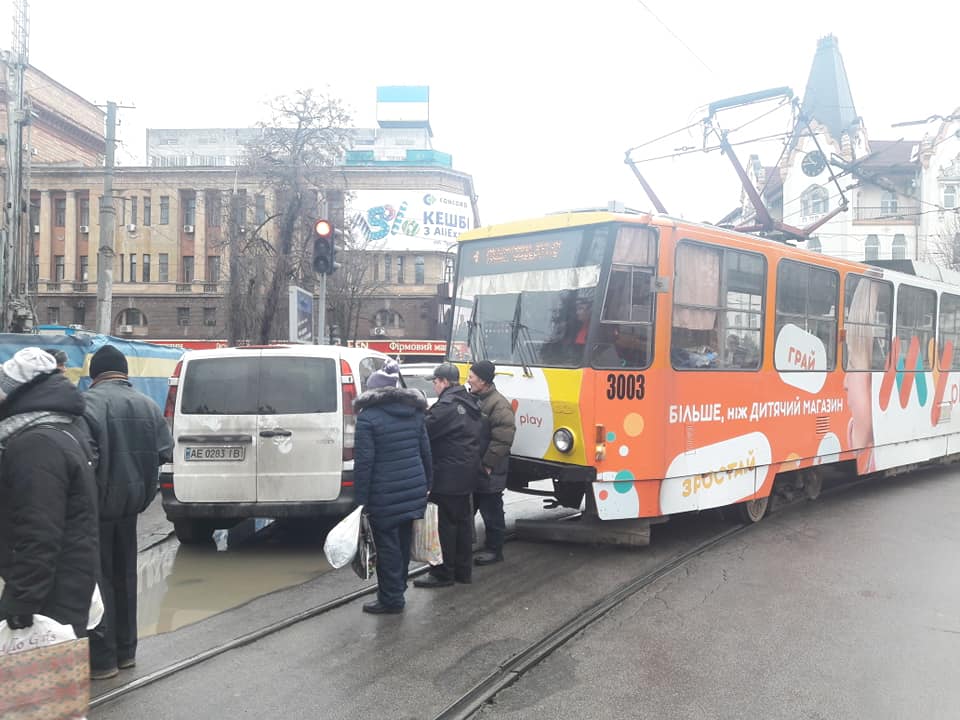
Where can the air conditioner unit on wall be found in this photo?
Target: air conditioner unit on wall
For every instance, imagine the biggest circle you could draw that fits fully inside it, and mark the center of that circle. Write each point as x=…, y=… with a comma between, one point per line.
x=188, y=229
x=379, y=331
x=84, y=229
x=36, y=229
x=125, y=329
x=132, y=227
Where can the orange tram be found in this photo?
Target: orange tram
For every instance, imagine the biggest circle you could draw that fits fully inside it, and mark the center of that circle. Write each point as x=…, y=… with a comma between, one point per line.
x=658, y=366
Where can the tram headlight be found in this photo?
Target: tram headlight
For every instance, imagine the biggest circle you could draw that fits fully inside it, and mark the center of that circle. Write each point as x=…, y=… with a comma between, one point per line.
x=563, y=440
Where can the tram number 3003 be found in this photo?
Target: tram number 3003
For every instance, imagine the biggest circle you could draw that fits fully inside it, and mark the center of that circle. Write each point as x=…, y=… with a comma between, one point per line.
x=625, y=387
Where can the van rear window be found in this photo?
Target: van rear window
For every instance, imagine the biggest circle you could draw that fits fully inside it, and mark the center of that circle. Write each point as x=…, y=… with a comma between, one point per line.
x=259, y=386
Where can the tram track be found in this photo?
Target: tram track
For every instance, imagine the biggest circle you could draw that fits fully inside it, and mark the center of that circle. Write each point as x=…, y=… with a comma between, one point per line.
x=509, y=672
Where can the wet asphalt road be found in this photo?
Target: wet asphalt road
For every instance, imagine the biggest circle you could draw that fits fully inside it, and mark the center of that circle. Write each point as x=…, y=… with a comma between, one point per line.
x=843, y=608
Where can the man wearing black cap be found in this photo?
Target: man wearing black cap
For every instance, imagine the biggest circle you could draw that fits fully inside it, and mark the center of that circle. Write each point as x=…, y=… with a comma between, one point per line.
x=488, y=497
x=454, y=425
x=133, y=440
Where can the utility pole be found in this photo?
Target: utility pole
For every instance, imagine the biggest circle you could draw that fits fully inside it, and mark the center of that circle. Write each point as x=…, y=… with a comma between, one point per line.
x=12, y=308
x=107, y=219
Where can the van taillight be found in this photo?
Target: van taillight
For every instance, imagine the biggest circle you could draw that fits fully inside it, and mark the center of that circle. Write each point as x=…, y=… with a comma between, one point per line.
x=174, y=383
x=349, y=394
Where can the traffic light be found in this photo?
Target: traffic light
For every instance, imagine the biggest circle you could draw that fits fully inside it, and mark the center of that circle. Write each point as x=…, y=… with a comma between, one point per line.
x=324, y=251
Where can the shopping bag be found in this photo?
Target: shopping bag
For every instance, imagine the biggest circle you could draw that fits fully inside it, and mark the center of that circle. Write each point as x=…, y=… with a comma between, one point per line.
x=44, y=672
x=340, y=547
x=365, y=561
x=425, y=546
x=96, y=608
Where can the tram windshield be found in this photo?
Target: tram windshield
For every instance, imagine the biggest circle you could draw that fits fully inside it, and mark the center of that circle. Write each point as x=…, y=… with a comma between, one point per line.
x=531, y=300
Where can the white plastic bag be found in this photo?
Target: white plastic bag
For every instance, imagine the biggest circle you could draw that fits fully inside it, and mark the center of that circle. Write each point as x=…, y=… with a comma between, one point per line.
x=44, y=631
x=96, y=608
x=341, y=543
x=425, y=544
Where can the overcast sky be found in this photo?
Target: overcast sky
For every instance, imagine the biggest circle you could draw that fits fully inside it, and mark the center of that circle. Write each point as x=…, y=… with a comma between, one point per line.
x=537, y=99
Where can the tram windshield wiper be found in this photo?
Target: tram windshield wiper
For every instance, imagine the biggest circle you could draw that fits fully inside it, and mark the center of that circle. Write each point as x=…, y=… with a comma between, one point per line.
x=516, y=328
x=472, y=325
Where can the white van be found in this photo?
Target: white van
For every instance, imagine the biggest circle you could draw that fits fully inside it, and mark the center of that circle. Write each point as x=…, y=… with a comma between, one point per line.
x=262, y=431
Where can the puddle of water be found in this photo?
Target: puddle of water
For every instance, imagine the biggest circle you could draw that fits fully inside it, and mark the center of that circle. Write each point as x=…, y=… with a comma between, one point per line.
x=180, y=585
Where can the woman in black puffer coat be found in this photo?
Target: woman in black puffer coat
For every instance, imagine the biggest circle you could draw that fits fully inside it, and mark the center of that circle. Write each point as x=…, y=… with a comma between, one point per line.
x=392, y=474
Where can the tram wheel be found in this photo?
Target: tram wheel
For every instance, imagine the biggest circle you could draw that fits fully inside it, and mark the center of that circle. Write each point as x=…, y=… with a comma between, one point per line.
x=753, y=511
x=812, y=483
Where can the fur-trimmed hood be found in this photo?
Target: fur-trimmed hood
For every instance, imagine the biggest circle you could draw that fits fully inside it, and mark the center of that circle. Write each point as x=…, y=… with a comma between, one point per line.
x=396, y=401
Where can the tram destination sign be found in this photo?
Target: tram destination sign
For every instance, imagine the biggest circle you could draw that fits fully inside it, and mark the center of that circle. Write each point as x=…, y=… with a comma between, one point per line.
x=546, y=250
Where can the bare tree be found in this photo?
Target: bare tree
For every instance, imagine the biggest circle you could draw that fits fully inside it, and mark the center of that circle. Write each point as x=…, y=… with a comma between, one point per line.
x=945, y=243
x=293, y=159
x=355, y=281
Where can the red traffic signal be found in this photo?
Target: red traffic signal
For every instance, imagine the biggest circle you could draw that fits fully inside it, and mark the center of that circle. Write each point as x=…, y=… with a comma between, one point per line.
x=323, y=249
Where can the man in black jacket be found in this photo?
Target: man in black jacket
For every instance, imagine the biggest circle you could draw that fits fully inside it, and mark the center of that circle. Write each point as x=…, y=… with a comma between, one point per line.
x=133, y=441
x=455, y=426
x=48, y=496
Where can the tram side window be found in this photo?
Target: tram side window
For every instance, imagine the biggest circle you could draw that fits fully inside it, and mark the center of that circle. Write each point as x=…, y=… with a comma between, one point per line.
x=949, y=330
x=717, y=308
x=807, y=299
x=867, y=321
x=916, y=310
x=625, y=338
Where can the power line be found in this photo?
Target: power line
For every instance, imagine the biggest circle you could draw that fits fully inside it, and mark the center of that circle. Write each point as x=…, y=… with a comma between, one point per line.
x=677, y=37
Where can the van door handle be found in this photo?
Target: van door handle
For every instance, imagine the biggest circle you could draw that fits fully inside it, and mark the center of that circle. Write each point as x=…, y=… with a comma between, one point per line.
x=279, y=432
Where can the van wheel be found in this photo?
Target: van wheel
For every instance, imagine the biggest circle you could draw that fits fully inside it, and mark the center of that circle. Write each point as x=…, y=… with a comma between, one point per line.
x=193, y=532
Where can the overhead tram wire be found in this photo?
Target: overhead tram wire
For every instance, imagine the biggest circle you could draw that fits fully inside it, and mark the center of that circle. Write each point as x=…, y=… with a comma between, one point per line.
x=676, y=37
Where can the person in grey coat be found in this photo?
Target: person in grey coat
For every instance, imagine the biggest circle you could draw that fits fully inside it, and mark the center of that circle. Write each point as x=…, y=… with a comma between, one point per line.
x=492, y=481
x=133, y=442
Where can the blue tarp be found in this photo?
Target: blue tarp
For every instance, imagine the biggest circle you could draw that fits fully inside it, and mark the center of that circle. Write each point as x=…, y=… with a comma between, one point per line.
x=150, y=365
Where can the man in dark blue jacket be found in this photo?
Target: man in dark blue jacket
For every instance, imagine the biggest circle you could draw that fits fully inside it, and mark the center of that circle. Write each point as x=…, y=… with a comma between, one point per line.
x=455, y=426
x=392, y=472
x=133, y=441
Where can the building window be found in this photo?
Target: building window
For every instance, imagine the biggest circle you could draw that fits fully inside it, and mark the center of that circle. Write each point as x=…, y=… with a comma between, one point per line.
x=133, y=210
x=950, y=197
x=888, y=204
x=189, y=210
x=210, y=316
x=164, y=210
x=814, y=201
x=872, y=248
x=375, y=263
x=164, y=272
x=132, y=316
x=147, y=211
x=956, y=255
x=146, y=268
x=418, y=274
x=84, y=268
x=388, y=268
x=213, y=268
x=388, y=319
x=260, y=209
x=213, y=208
x=899, y=250
x=122, y=268
x=59, y=268
x=53, y=316
x=34, y=215
x=183, y=316
x=35, y=272
x=60, y=212
x=79, y=314
x=133, y=268
x=85, y=211
x=187, y=268
x=813, y=244
x=400, y=265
